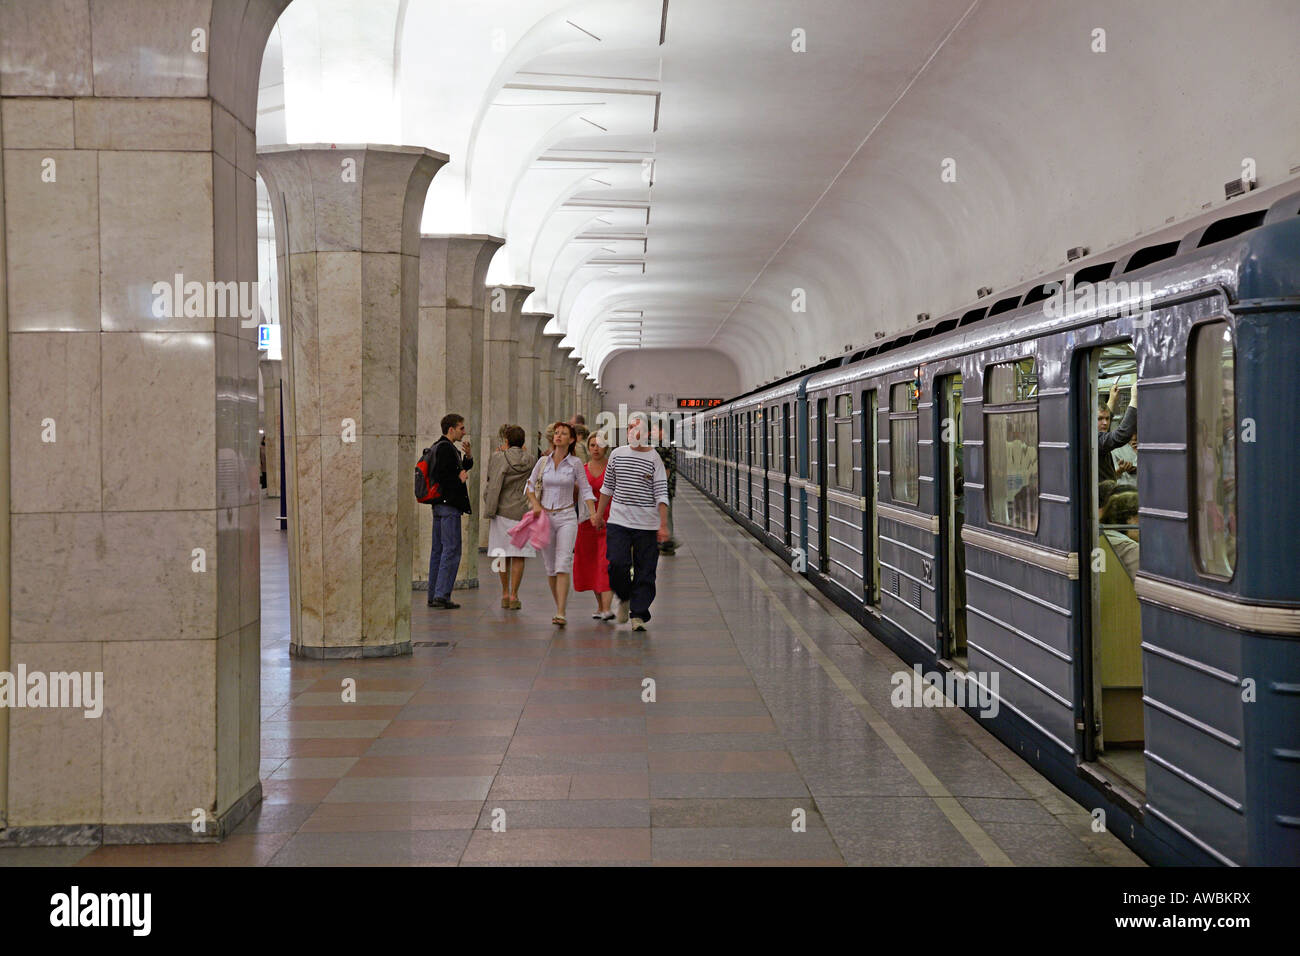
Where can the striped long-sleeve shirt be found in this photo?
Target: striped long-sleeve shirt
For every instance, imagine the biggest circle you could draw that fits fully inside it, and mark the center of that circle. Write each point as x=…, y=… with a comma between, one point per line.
x=637, y=484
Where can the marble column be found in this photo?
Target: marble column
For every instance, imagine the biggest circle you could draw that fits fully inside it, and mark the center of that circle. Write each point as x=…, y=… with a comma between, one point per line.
x=452, y=299
x=530, y=349
x=571, y=376
x=500, y=382
x=271, y=423
x=349, y=269
x=128, y=159
x=546, y=370
x=562, y=391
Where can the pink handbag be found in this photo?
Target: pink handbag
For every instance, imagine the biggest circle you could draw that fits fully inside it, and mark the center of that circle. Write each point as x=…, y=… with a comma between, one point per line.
x=532, y=529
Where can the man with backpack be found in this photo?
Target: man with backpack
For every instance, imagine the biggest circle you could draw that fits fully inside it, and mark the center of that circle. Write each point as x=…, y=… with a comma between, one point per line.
x=446, y=464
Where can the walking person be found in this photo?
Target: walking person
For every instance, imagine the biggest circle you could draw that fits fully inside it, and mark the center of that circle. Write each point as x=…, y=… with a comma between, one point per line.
x=590, y=565
x=451, y=464
x=669, y=455
x=635, y=491
x=557, y=483
x=504, y=503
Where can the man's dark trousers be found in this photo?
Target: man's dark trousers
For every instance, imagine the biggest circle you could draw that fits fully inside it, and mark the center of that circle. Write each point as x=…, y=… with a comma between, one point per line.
x=633, y=555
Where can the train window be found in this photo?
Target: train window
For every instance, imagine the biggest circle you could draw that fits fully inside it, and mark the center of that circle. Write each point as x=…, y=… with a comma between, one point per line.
x=1011, y=444
x=773, y=440
x=844, y=441
x=1214, y=415
x=904, y=460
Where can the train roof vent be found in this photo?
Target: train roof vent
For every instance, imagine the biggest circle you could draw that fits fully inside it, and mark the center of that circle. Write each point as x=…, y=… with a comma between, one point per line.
x=1004, y=305
x=1147, y=255
x=947, y=325
x=1040, y=292
x=1094, y=273
x=1231, y=226
x=1284, y=208
x=924, y=333
x=974, y=315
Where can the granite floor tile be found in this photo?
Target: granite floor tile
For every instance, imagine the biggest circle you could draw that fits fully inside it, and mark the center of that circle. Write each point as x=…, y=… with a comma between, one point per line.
x=407, y=789
x=599, y=845
x=566, y=814
x=771, y=813
x=245, y=849
x=740, y=843
x=696, y=785
x=374, y=848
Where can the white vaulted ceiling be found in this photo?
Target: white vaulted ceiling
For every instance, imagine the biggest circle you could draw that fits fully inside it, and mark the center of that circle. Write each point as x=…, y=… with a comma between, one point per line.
x=676, y=194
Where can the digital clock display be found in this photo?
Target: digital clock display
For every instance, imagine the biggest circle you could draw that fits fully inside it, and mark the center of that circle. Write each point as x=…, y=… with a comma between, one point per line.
x=698, y=402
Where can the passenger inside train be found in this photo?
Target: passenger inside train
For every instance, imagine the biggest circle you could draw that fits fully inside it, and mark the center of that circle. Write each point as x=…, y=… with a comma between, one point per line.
x=1117, y=629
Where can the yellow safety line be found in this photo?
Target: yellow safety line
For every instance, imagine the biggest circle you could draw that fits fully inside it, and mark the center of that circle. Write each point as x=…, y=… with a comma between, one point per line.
x=965, y=824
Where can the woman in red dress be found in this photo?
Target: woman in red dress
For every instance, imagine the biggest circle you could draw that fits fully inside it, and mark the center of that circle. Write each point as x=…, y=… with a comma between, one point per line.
x=590, y=566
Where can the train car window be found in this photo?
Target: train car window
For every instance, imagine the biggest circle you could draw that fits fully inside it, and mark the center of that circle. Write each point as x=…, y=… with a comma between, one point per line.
x=1011, y=444
x=904, y=460
x=1214, y=416
x=844, y=442
x=773, y=439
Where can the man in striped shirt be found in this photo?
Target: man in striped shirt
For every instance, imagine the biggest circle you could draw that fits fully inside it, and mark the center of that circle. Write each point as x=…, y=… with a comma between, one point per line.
x=636, y=492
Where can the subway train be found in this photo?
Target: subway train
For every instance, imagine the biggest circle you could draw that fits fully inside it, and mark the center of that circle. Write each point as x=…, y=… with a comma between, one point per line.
x=1138, y=623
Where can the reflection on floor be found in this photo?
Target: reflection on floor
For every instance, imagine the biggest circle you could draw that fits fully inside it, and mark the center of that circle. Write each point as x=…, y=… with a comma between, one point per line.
x=500, y=717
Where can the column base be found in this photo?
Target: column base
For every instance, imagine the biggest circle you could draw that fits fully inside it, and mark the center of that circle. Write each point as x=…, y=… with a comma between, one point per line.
x=114, y=834
x=350, y=651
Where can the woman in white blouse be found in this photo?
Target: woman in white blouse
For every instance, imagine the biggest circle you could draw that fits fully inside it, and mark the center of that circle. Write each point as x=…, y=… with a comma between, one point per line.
x=557, y=484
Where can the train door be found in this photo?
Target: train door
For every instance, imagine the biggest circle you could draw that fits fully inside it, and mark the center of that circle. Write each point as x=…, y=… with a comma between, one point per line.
x=785, y=446
x=952, y=515
x=758, y=479
x=736, y=458
x=1113, y=637
x=748, y=485
x=870, y=495
x=823, y=450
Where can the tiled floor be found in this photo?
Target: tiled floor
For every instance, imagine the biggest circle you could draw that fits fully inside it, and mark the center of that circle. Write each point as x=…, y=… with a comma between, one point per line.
x=770, y=740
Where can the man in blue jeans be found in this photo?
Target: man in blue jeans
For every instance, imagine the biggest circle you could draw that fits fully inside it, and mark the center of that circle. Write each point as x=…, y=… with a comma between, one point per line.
x=635, y=489
x=451, y=465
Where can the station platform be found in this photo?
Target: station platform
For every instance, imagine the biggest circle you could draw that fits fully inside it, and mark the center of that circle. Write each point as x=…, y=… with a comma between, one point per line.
x=772, y=708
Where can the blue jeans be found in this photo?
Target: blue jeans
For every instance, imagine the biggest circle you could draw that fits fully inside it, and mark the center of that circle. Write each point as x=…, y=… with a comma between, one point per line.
x=444, y=556
x=633, y=555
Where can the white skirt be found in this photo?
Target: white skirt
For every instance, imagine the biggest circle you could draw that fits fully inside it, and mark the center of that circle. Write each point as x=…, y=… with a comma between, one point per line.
x=499, y=543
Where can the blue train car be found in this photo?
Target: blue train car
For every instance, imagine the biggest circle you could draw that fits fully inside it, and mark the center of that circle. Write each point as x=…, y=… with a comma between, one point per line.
x=970, y=493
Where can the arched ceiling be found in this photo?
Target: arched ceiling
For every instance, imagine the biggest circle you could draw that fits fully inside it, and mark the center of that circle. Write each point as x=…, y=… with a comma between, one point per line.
x=677, y=194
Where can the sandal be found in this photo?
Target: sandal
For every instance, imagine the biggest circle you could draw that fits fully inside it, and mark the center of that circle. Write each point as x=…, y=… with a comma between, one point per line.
x=505, y=603
x=559, y=620
x=515, y=605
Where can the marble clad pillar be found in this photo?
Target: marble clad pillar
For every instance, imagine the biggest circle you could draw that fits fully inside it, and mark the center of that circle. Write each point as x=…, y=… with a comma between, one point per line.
x=128, y=160
x=500, y=382
x=349, y=301
x=563, y=400
x=271, y=419
x=571, y=377
x=452, y=299
x=546, y=370
x=530, y=349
